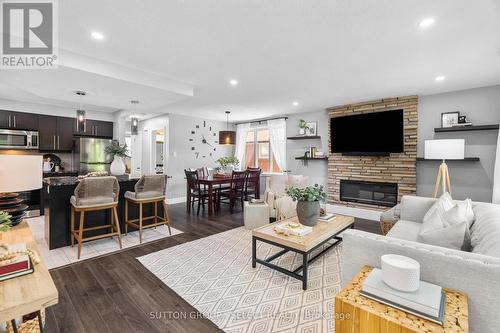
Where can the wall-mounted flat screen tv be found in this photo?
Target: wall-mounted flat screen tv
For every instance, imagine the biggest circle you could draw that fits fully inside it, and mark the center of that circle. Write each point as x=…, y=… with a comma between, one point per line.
x=378, y=133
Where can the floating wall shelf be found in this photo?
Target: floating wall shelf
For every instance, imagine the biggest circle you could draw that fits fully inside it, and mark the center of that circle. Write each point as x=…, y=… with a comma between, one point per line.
x=304, y=137
x=311, y=158
x=467, y=128
x=467, y=159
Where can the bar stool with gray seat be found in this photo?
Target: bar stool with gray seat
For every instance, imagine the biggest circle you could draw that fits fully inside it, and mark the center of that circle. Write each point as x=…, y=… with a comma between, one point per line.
x=148, y=189
x=93, y=194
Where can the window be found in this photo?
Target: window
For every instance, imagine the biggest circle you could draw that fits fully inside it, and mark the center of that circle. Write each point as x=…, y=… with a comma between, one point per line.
x=258, y=152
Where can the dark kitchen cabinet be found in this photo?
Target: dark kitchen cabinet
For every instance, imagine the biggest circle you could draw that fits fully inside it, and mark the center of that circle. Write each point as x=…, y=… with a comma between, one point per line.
x=103, y=129
x=56, y=133
x=25, y=121
x=96, y=128
x=18, y=120
x=65, y=133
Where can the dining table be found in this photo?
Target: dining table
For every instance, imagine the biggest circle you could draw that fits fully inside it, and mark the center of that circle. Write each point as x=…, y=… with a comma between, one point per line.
x=210, y=182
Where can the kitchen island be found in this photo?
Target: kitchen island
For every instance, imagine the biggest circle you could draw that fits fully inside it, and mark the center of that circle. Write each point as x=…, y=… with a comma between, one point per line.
x=56, y=194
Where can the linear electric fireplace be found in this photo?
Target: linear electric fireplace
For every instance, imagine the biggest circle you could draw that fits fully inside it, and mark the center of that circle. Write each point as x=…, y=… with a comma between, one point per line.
x=371, y=193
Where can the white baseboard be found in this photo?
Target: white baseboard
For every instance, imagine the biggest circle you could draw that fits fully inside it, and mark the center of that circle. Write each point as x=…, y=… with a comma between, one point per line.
x=172, y=201
x=355, y=212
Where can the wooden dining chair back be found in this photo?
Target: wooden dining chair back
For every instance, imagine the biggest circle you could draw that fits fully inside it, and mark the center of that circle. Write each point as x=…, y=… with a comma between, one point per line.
x=236, y=190
x=93, y=194
x=252, y=185
x=195, y=193
x=149, y=189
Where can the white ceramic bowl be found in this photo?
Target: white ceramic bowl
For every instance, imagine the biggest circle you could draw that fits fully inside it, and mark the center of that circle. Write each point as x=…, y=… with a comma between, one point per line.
x=400, y=272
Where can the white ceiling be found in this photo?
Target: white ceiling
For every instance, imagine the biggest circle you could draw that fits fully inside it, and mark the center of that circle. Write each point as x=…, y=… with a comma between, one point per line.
x=321, y=53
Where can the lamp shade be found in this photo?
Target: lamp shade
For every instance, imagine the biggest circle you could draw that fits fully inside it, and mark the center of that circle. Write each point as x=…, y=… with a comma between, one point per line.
x=445, y=149
x=227, y=137
x=20, y=172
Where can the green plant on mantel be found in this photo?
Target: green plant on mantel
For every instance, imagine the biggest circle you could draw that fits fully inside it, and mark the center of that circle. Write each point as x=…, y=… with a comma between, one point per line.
x=5, y=222
x=303, y=124
x=116, y=149
x=227, y=161
x=308, y=193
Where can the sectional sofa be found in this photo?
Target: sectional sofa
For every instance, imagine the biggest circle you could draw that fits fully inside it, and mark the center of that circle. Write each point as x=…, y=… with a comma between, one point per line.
x=477, y=273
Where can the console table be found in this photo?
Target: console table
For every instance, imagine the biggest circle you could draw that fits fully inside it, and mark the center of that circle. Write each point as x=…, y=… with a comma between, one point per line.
x=29, y=293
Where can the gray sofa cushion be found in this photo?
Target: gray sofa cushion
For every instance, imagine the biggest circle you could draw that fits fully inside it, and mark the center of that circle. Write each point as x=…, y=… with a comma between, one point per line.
x=415, y=208
x=406, y=230
x=485, y=232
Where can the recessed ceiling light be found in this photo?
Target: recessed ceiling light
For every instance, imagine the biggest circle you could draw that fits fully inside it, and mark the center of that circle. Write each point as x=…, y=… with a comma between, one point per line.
x=295, y=103
x=440, y=78
x=233, y=82
x=426, y=23
x=97, y=35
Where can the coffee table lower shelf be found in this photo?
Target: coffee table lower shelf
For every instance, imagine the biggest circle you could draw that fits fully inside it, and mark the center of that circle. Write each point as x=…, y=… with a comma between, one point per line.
x=305, y=256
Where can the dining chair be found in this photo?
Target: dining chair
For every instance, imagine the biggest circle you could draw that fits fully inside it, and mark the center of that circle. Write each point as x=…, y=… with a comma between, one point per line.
x=147, y=190
x=236, y=190
x=93, y=194
x=252, y=185
x=195, y=193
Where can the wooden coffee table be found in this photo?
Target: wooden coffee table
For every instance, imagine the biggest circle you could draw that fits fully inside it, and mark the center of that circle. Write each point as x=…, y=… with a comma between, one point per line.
x=303, y=245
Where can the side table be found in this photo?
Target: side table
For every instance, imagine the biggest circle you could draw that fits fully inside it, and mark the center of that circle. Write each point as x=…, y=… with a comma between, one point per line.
x=255, y=215
x=355, y=313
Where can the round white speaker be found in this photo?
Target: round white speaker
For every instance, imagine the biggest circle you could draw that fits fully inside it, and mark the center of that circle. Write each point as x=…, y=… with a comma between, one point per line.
x=400, y=272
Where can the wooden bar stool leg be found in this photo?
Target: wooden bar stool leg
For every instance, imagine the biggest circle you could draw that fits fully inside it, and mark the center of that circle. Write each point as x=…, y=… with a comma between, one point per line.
x=80, y=232
x=112, y=225
x=156, y=212
x=117, y=223
x=72, y=226
x=126, y=216
x=140, y=223
x=165, y=216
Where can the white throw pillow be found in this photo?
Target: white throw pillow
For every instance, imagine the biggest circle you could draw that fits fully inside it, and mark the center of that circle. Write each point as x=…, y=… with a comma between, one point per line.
x=447, y=224
x=278, y=184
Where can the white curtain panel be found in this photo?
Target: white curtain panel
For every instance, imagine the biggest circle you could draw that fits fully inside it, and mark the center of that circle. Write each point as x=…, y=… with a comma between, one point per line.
x=241, y=138
x=496, y=177
x=277, y=137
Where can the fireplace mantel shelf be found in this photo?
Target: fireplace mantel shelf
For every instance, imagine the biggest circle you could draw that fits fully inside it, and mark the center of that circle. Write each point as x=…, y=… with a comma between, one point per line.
x=467, y=159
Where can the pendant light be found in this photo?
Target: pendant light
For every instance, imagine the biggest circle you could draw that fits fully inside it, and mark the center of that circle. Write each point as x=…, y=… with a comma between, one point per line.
x=134, y=122
x=81, y=119
x=227, y=137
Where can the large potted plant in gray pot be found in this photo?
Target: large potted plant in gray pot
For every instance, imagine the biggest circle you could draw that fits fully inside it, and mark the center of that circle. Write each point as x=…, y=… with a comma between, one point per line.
x=308, y=199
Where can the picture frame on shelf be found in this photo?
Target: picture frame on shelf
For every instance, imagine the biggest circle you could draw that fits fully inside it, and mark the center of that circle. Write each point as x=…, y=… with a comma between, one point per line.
x=312, y=128
x=449, y=119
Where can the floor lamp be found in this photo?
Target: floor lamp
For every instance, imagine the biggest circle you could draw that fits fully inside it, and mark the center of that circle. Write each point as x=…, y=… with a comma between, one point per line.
x=18, y=173
x=444, y=150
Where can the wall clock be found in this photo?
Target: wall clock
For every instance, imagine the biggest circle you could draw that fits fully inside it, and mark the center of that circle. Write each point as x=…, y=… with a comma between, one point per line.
x=203, y=140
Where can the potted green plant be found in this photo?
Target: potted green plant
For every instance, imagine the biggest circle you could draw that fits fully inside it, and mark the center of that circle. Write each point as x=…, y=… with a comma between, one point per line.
x=302, y=127
x=308, y=199
x=227, y=164
x=119, y=152
x=5, y=222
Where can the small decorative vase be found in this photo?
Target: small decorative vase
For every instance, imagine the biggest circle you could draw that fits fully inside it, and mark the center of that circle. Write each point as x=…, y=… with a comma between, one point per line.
x=308, y=212
x=117, y=166
x=302, y=131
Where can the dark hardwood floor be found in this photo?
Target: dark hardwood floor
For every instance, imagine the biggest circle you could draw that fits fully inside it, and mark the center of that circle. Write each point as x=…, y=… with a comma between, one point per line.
x=115, y=293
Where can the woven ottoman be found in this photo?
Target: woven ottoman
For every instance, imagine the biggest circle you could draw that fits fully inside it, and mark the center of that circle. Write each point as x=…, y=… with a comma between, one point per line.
x=255, y=215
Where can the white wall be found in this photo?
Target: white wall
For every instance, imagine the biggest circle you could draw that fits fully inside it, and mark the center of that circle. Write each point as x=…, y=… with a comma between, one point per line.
x=315, y=170
x=468, y=179
x=178, y=153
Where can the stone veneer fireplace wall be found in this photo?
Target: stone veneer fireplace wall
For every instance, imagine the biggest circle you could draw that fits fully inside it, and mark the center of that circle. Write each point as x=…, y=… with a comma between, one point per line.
x=397, y=168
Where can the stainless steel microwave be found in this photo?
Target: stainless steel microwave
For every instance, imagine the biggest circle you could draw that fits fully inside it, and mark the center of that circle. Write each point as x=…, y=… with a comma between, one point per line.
x=16, y=139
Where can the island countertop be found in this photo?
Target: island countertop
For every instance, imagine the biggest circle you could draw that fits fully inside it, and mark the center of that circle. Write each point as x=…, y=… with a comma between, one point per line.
x=56, y=194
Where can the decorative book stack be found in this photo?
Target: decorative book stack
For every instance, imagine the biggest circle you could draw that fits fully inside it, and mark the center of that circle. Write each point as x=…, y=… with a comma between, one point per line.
x=427, y=302
x=327, y=217
x=18, y=265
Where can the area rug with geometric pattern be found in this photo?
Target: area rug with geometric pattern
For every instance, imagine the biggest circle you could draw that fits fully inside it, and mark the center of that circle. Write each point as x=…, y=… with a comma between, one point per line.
x=215, y=275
